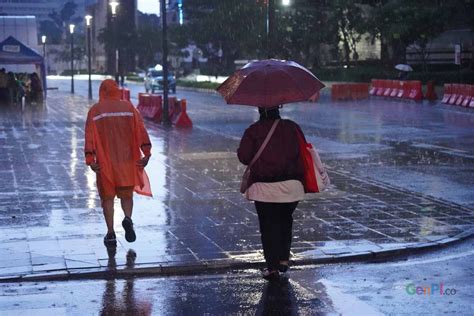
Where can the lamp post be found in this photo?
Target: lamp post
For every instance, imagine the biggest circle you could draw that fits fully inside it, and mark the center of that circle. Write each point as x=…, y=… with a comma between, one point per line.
x=271, y=25
x=166, y=117
x=113, y=9
x=43, y=40
x=71, y=30
x=89, y=67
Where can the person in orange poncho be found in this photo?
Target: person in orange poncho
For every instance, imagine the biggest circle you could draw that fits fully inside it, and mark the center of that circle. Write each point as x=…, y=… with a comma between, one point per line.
x=117, y=148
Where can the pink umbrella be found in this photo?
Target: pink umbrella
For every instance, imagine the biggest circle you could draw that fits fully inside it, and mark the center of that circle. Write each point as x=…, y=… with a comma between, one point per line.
x=268, y=83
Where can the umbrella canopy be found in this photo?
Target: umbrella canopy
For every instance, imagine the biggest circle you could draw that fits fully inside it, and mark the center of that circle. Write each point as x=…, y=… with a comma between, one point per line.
x=268, y=83
x=403, y=67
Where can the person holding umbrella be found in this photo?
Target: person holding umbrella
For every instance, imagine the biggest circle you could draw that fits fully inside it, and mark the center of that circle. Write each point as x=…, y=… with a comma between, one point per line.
x=271, y=150
x=403, y=71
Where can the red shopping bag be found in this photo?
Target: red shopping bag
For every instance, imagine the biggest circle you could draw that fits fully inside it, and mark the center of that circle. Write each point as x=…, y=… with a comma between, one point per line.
x=316, y=178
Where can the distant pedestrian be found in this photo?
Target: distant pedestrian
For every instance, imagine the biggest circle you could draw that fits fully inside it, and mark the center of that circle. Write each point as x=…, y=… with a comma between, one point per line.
x=35, y=91
x=275, y=184
x=402, y=75
x=117, y=148
x=13, y=88
x=4, y=97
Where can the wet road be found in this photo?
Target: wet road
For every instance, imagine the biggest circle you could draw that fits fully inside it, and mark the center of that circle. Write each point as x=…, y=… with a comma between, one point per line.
x=427, y=149
x=385, y=288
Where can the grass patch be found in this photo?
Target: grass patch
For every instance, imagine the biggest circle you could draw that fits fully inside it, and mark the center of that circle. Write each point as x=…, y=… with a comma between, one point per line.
x=195, y=84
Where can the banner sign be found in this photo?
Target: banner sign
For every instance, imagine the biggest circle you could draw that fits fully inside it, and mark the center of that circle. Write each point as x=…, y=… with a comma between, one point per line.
x=11, y=48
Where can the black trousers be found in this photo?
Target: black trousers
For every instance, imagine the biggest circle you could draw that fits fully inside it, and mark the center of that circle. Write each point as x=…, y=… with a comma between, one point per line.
x=276, y=223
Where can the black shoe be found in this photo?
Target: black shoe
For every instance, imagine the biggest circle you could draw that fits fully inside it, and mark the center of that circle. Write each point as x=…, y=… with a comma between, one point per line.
x=110, y=240
x=270, y=275
x=129, y=232
x=283, y=268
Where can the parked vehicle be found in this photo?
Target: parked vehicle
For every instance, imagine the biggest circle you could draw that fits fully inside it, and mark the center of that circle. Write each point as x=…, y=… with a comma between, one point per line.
x=154, y=81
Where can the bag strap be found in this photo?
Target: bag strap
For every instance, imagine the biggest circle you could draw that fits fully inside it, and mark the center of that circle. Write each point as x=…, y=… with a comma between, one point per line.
x=264, y=144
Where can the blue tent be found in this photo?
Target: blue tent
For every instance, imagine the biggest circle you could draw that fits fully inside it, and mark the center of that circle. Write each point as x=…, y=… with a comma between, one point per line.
x=14, y=52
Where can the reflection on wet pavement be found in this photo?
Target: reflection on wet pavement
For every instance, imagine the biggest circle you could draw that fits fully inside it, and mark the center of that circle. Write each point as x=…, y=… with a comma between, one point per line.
x=51, y=219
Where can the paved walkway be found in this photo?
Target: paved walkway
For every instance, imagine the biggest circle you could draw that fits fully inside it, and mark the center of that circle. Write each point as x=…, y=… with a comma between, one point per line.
x=51, y=223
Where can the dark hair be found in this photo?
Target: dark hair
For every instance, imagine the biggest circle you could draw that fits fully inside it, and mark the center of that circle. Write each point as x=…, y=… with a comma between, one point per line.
x=269, y=113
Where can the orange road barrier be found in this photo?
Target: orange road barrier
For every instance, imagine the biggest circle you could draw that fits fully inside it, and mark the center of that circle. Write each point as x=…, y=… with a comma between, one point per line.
x=470, y=97
x=448, y=91
x=381, y=89
x=141, y=100
x=155, y=111
x=182, y=119
x=349, y=91
x=463, y=92
x=374, y=84
x=397, y=89
x=407, y=85
x=458, y=94
x=415, y=91
x=172, y=107
x=430, y=92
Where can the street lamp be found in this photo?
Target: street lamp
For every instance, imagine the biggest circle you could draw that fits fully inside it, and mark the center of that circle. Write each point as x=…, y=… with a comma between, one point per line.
x=71, y=30
x=89, y=68
x=43, y=40
x=271, y=25
x=164, y=62
x=113, y=9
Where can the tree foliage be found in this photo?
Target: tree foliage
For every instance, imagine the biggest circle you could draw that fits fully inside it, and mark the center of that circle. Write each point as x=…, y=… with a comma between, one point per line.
x=56, y=26
x=235, y=26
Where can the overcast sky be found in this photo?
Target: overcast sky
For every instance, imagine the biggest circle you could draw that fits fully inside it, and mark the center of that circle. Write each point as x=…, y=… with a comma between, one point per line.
x=149, y=6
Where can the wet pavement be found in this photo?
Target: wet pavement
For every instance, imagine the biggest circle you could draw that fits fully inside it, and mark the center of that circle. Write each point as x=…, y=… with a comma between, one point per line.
x=383, y=288
x=402, y=176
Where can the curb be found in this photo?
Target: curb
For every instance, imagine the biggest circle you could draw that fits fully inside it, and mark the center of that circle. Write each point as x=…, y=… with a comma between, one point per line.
x=219, y=266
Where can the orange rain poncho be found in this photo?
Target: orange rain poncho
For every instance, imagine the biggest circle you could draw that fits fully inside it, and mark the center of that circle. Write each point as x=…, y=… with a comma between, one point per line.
x=115, y=133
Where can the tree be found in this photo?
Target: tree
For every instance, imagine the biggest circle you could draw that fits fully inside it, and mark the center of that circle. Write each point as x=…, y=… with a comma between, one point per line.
x=237, y=27
x=346, y=19
x=56, y=26
x=301, y=30
x=148, y=43
x=400, y=23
